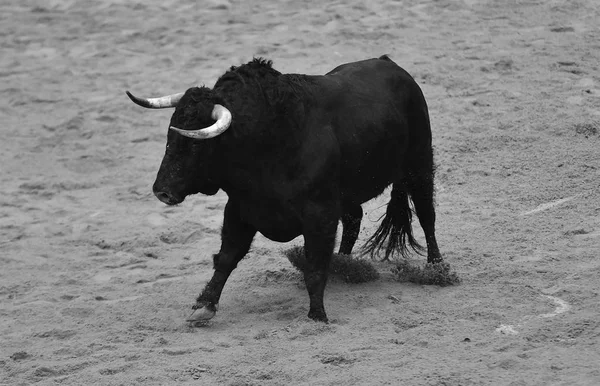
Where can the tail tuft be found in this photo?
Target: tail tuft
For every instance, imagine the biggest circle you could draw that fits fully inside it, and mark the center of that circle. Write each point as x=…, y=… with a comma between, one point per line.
x=395, y=232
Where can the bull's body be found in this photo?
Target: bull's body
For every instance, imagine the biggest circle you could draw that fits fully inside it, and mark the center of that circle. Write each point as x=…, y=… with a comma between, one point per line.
x=302, y=153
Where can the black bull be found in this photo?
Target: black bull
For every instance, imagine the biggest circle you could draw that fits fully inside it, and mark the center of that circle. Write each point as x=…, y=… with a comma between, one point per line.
x=300, y=153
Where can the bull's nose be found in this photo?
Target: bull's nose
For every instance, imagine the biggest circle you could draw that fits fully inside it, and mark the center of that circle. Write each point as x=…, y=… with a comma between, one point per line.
x=166, y=197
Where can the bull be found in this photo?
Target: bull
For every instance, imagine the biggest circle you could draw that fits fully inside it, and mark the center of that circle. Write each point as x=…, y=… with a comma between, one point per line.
x=296, y=154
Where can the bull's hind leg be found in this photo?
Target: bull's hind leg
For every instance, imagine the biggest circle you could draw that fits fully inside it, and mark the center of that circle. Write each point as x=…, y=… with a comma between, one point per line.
x=236, y=237
x=320, y=225
x=351, y=227
x=421, y=190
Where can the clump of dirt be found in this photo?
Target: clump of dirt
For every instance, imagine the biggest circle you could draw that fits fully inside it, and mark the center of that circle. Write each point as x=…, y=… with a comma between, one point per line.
x=347, y=267
x=19, y=356
x=587, y=129
x=431, y=274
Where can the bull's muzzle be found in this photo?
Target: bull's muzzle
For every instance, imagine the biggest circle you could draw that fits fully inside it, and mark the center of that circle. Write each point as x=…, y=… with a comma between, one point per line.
x=165, y=196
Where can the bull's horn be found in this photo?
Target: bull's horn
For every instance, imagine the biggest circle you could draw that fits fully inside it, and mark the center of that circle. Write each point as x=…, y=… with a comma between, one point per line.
x=223, y=121
x=156, y=103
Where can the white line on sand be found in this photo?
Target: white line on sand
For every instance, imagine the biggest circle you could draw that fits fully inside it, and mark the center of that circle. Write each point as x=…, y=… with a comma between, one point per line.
x=549, y=205
x=561, y=306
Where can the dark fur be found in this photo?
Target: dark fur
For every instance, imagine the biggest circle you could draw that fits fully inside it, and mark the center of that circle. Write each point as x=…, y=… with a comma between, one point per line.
x=302, y=153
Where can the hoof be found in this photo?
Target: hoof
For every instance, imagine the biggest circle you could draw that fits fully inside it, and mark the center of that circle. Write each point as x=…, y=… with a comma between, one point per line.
x=202, y=315
x=318, y=316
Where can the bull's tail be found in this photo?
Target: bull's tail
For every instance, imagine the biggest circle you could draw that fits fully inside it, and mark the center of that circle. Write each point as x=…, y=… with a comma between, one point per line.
x=395, y=232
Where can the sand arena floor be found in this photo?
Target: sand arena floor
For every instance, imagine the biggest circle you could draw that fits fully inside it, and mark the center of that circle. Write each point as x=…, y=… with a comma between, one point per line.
x=97, y=276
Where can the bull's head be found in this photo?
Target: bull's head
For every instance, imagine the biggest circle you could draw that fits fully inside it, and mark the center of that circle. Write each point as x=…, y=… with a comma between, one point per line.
x=191, y=160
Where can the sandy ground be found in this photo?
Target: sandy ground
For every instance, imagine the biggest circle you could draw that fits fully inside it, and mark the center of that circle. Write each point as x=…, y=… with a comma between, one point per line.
x=97, y=276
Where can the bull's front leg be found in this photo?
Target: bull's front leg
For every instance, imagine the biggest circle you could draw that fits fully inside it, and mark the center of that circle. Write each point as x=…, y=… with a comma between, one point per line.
x=236, y=238
x=320, y=226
